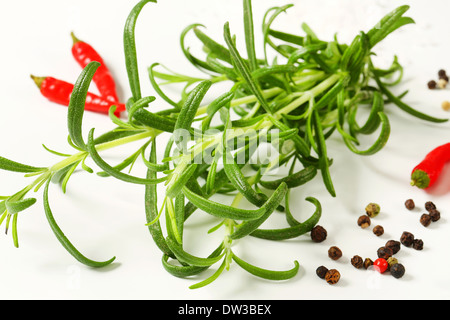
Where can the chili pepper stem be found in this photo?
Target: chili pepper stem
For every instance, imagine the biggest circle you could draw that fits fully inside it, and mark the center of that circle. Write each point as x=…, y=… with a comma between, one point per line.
x=37, y=80
x=74, y=38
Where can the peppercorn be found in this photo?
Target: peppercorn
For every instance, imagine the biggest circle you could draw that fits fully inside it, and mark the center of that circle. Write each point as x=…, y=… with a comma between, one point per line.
x=409, y=204
x=357, y=262
x=391, y=261
x=425, y=219
x=435, y=215
x=431, y=84
x=380, y=265
x=318, y=234
x=393, y=245
x=384, y=252
x=364, y=221
x=397, y=270
x=445, y=77
x=332, y=276
x=334, y=253
x=378, y=230
x=367, y=263
x=429, y=205
x=372, y=209
x=441, y=73
x=417, y=244
x=407, y=238
x=442, y=83
x=445, y=105
x=321, y=272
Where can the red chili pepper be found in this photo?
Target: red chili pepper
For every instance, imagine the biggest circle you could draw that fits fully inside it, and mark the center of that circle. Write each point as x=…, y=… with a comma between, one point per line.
x=426, y=173
x=84, y=54
x=59, y=91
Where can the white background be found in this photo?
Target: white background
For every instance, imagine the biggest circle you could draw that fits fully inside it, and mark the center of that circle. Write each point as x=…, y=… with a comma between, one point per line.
x=105, y=217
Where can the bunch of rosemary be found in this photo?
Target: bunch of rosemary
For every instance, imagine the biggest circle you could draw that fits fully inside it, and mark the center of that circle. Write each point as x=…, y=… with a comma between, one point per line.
x=293, y=103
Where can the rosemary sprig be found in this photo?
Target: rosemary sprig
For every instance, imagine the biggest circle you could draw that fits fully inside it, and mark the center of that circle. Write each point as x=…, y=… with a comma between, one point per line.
x=312, y=90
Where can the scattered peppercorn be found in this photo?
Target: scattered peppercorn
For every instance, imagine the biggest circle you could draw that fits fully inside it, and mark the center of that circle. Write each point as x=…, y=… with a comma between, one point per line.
x=380, y=265
x=429, y=205
x=318, y=234
x=372, y=209
x=334, y=253
x=417, y=244
x=378, y=230
x=442, y=83
x=321, y=272
x=397, y=270
x=384, y=252
x=425, y=219
x=409, y=204
x=332, y=276
x=391, y=261
x=393, y=245
x=431, y=84
x=435, y=215
x=364, y=221
x=367, y=263
x=442, y=73
x=407, y=238
x=357, y=262
x=445, y=105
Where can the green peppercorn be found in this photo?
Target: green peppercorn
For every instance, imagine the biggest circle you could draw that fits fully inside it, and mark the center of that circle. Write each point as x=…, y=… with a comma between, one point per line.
x=397, y=270
x=391, y=261
x=372, y=209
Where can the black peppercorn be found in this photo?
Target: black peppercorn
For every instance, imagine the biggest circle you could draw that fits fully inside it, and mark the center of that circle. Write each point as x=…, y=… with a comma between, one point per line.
x=357, y=262
x=431, y=84
x=407, y=238
x=393, y=245
x=397, y=270
x=334, y=253
x=332, y=276
x=409, y=204
x=435, y=215
x=429, y=205
x=425, y=219
x=441, y=73
x=378, y=230
x=321, y=272
x=318, y=234
x=367, y=263
x=417, y=244
x=364, y=221
x=384, y=253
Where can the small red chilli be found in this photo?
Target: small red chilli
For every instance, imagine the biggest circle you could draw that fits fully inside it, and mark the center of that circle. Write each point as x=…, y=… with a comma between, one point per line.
x=427, y=172
x=59, y=91
x=84, y=53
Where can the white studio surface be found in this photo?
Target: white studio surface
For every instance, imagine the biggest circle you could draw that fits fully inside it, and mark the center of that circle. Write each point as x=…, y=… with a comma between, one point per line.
x=105, y=217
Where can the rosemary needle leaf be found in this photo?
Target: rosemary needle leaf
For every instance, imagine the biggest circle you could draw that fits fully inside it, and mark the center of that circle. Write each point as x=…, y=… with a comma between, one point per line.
x=129, y=42
x=186, y=257
x=14, y=207
x=76, y=105
x=10, y=165
x=111, y=170
x=65, y=241
x=265, y=273
x=295, y=230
